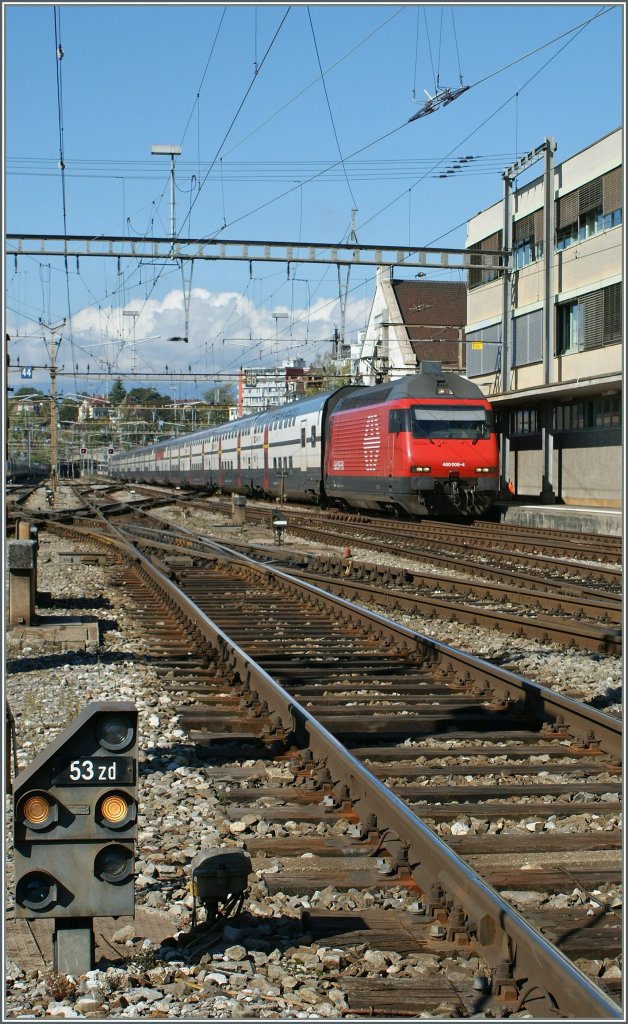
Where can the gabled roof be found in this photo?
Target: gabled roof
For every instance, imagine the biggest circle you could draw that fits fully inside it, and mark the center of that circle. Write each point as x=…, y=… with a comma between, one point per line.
x=433, y=310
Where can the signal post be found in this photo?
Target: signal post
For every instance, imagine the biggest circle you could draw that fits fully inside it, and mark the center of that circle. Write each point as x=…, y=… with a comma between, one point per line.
x=74, y=826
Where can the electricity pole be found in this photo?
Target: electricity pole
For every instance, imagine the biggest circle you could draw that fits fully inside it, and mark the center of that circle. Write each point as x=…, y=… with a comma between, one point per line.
x=53, y=399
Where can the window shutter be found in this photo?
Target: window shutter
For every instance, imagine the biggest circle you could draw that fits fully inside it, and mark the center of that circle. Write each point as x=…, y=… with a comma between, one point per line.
x=612, y=313
x=523, y=228
x=538, y=225
x=475, y=276
x=590, y=196
x=487, y=359
x=490, y=265
x=527, y=341
x=493, y=242
x=592, y=312
x=611, y=191
x=567, y=209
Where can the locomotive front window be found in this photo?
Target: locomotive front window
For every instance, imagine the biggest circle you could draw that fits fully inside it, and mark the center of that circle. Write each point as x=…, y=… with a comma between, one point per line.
x=470, y=423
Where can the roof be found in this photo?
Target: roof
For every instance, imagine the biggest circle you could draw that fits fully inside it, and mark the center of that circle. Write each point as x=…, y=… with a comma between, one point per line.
x=433, y=310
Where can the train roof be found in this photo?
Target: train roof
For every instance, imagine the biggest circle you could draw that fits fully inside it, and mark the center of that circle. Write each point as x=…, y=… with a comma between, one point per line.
x=432, y=382
x=299, y=407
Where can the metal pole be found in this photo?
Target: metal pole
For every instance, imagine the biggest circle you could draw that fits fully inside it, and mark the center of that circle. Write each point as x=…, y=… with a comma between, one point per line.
x=547, y=436
x=53, y=417
x=506, y=315
x=173, y=234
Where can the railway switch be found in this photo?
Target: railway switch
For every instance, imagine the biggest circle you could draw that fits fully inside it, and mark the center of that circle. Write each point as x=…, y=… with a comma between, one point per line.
x=75, y=824
x=220, y=876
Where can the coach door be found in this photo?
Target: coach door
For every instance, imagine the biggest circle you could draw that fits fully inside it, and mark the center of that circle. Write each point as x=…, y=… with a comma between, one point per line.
x=308, y=444
x=266, y=447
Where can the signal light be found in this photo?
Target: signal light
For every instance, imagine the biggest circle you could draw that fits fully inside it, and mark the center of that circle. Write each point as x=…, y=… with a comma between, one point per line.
x=115, y=732
x=75, y=820
x=36, y=890
x=37, y=811
x=114, y=864
x=420, y=469
x=115, y=810
x=486, y=469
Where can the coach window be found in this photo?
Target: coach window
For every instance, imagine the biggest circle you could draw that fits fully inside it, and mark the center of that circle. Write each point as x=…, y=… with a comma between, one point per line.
x=313, y=437
x=303, y=437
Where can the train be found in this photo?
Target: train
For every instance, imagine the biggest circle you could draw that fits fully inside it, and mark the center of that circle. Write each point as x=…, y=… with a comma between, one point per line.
x=420, y=445
x=21, y=471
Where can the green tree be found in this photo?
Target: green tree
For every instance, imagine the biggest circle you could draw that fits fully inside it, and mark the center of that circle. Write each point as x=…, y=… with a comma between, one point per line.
x=117, y=393
x=68, y=411
x=219, y=399
x=147, y=396
x=326, y=373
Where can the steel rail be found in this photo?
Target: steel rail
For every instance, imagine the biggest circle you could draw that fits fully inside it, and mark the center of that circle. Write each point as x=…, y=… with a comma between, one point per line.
x=589, y=726
x=499, y=932
x=587, y=636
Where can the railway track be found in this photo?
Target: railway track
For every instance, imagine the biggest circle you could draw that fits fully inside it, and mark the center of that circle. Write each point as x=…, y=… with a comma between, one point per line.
x=419, y=756
x=568, y=614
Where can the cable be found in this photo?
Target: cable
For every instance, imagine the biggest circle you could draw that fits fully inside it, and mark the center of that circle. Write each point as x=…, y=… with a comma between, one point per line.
x=496, y=111
x=583, y=24
x=59, y=55
x=237, y=113
x=331, y=116
x=315, y=80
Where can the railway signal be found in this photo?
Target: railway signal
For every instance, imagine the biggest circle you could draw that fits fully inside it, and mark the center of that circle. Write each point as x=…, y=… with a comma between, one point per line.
x=74, y=827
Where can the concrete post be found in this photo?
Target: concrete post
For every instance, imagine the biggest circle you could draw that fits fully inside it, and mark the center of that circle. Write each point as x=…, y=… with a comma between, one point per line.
x=238, y=510
x=21, y=559
x=24, y=531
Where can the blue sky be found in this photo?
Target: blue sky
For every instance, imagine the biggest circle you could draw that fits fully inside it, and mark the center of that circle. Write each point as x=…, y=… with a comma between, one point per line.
x=239, y=87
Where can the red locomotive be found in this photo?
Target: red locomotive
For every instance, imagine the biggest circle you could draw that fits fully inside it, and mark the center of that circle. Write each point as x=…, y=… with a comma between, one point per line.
x=423, y=445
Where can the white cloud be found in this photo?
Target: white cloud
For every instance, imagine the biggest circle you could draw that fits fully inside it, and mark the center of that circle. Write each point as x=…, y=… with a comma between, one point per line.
x=226, y=329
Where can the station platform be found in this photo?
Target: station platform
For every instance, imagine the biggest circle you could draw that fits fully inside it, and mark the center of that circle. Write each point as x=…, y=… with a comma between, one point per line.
x=602, y=521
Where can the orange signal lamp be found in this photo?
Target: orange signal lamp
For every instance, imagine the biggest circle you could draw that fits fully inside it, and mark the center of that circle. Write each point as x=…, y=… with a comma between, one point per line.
x=36, y=809
x=114, y=808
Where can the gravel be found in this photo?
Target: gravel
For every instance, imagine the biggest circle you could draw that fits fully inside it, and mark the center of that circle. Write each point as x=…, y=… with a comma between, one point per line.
x=259, y=967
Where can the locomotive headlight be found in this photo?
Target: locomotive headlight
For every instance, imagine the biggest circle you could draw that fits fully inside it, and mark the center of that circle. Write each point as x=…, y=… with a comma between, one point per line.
x=485, y=469
x=420, y=469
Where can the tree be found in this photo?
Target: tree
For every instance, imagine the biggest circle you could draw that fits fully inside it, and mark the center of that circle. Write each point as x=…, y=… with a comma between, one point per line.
x=147, y=396
x=326, y=373
x=33, y=393
x=117, y=393
x=68, y=411
x=219, y=399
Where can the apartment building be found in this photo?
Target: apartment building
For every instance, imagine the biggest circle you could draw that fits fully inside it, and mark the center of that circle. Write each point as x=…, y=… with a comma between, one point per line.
x=544, y=341
x=262, y=387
